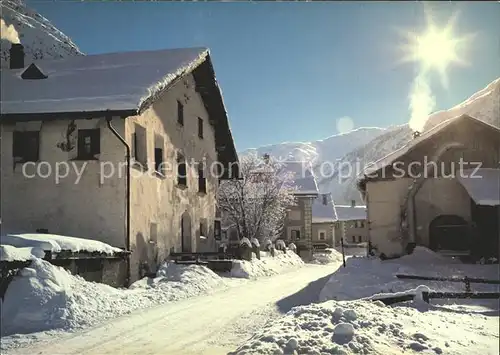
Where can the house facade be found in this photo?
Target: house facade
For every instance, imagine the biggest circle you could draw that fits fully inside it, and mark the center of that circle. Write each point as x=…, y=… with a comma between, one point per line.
x=64, y=166
x=447, y=207
x=351, y=224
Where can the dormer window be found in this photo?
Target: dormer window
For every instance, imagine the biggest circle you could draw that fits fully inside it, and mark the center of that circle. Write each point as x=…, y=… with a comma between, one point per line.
x=33, y=73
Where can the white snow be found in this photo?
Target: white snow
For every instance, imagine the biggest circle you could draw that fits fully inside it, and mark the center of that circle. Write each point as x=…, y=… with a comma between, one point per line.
x=350, y=213
x=10, y=253
x=482, y=185
x=327, y=256
x=303, y=177
x=245, y=241
x=322, y=212
x=141, y=75
x=255, y=242
x=364, y=277
x=46, y=297
x=57, y=243
x=363, y=327
x=267, y=265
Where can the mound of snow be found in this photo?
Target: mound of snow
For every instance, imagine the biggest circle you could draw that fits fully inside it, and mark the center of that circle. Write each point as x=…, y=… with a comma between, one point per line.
x=245, y=241
x=327, y=256
x=362, y=327
x=364, y=277
x=45, y=297
x=255, y=242
x=10, y=253
x=56, y=243
x=266, y=266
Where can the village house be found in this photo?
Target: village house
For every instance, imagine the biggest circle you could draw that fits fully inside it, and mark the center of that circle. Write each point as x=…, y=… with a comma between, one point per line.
x=350, y=224
x=298, y=223
x=71, y=127
x=323, y=221
x=441, y=190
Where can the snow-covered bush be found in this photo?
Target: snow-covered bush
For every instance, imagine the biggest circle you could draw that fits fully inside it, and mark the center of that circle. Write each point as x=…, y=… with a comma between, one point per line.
x=245, y=242
x=280, y=244
x=292, y=247
x=255, y=242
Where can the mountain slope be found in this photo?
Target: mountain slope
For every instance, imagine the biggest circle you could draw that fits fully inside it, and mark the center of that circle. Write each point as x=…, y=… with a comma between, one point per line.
x=328, y=149
x=483, y=105
x=41, y=40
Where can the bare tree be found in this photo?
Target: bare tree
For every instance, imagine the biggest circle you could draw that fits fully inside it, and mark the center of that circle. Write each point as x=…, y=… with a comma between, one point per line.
x=257, y=203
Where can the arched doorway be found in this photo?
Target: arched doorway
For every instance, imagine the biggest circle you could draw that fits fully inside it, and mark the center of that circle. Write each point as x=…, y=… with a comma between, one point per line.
x=449, y=232
x=186, y=238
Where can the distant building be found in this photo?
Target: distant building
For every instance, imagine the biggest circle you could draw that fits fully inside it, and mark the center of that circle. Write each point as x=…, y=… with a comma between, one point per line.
x=351, y=224
x=323, y=221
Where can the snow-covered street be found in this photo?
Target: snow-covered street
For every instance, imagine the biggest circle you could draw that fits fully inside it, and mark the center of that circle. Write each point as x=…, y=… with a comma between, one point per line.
x=210, y=324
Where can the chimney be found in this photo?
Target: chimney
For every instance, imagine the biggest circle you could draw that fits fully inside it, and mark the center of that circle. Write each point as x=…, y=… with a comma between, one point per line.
x=416, y=134
x=16, y=56
x=353, y=203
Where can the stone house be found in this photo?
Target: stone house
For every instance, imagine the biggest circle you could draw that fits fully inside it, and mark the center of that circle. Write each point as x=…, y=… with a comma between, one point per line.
x=441, y=190
x=323, y=221
x=351, y=224
x=298, y=223
x=125, y=148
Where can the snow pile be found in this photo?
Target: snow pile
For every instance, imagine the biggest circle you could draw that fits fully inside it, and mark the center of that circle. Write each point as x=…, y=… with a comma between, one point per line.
x=57, y=243
x=266, y=266
x=327, y=256
x=363, y=277
x=255, y=242
x=10, y=253
x=363, y=327
x=245, y=241
x=45, y=297
x=280, y=244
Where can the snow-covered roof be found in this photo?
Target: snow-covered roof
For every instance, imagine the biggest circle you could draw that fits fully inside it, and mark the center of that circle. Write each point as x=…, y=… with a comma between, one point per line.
x=397, y=154
x=323, y=212
x=303, y=177
x=93, y=83
x=57, y=243
x=350, y=213
x=10, y=253
x=482, y=185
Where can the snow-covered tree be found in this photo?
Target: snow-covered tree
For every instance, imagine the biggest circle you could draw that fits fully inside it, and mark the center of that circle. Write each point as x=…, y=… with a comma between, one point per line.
x=257, y=203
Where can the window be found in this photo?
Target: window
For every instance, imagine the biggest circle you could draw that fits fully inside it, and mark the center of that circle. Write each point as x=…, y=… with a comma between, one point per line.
x=217, y=230
x=180, y=113
x=360, y=239
x=89, y=144
x=295, y=234
x=354, y=239
x=362, y=224
x=181, y=170
x=139, y=145
x=159, y=154
x=153, y=232
x=202, y=180
x=200, y=127
x=26, y=146
x=322, y=235
x=203, y=230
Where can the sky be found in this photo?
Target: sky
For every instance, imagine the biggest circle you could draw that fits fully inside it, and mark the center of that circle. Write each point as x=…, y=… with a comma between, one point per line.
x=295, y=71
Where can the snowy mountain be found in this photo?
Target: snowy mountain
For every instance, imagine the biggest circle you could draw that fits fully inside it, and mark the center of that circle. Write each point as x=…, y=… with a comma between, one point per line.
x=338, y=160
x=328, y=149
x=38, y=36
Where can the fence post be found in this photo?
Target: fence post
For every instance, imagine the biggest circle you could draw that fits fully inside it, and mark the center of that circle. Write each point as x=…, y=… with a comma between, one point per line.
x=467, y=284
x=425, y=296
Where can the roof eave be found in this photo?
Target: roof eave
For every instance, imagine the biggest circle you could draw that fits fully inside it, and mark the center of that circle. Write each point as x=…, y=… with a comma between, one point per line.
x=71, y=115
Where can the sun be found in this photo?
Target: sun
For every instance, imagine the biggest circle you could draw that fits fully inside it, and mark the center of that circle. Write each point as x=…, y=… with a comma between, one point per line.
x=436, y=48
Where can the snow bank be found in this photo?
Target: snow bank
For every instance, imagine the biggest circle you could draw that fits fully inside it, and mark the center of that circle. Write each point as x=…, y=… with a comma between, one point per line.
x=327, y=256
x=266, y=266
x=363, y=327
x=10, y=253
x=363, y=277
x=45, y=297
x=56, y=243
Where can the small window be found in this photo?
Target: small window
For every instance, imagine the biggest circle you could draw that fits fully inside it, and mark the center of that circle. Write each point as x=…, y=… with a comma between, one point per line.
x=26, y=146
x=322, y=235
x=202, y=180
x=89, y=144
x=354, y=239
x=360, y=239
x=181, y=170
x=180, y=113
x=139, y=145
x=203, y=231
x=159, y=166
x=153, y=232
x=200, y=127
x=295, y=234
x=217, y=230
